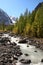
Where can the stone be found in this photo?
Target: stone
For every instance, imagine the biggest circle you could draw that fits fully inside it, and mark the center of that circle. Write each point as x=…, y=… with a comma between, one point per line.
x=41, y=60
x=23, y=41
x=4, y=40
x=26, y=54
x=4, y=60
x=15, y=57
x=8, y=63
x=25, y=61
x=35, y=51
x=19, y=54
x=14, y=43
x=27, y=45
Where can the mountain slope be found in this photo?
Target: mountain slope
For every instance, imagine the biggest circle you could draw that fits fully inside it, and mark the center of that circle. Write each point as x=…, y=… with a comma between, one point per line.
x=4, y=18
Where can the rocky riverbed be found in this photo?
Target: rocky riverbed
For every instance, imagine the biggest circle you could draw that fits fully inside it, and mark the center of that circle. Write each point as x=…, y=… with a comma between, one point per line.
x=9, y=51
x=38, y=43
x=17, y=51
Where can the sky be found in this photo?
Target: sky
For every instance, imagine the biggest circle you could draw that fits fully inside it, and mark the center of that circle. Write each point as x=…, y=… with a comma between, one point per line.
x=16, y=7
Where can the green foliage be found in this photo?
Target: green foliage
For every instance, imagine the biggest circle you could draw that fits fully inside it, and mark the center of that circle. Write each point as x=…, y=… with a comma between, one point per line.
x=31, y=24
x=4, y=27
x=23, y=24
x=9, y=27
x=39, y=22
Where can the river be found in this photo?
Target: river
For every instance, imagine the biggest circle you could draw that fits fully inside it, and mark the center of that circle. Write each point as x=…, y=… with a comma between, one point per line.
x=35, y=57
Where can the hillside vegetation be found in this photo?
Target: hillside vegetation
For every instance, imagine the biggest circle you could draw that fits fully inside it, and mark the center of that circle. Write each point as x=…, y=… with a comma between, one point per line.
x=30, y=24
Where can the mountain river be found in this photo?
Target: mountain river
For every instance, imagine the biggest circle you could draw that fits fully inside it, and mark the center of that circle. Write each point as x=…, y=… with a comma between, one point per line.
x=35, y=57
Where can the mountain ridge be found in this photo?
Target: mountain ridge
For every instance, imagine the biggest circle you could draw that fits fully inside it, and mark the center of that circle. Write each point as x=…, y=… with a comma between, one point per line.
x=4, y=18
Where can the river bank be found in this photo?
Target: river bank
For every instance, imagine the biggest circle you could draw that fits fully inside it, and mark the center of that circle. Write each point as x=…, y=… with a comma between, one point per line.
x=37, y=42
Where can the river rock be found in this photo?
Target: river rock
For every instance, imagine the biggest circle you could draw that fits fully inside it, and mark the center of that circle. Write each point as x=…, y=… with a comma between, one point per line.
x=27, y=45
x=35, y=51
x=9, y=63
x=4, y=60
x=15, y=58
x=23, y=41
x=21, y=60
x=41, y=60
x=4, y=39
x=14, y=43
x=26, y=54
x=19, y=53
x=25, y=61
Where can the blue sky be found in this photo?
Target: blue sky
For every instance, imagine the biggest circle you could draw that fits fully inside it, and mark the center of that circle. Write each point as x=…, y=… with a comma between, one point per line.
x=16, y=7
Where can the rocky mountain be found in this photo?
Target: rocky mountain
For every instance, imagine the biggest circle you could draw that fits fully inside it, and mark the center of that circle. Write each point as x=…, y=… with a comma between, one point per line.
x=39, y=5
x=4, y=18
x=13, y=19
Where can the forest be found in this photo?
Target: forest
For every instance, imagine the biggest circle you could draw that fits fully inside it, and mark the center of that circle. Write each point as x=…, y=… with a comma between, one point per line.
x=30, y=24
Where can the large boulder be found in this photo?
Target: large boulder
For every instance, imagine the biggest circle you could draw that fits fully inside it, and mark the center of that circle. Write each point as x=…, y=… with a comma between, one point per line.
x=4, y=39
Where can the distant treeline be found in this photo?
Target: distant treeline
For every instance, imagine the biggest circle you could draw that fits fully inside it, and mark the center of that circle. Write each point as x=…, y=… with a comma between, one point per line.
x=5, y=28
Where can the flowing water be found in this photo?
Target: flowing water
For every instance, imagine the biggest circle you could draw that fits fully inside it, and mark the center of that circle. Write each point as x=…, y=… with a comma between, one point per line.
x=35, y=57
